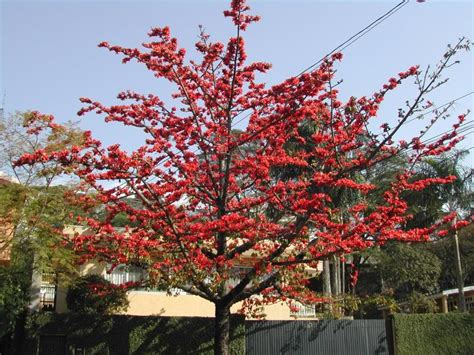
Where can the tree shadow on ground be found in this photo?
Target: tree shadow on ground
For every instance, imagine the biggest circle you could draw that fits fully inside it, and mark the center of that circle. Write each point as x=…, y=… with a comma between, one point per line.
x=121, y=334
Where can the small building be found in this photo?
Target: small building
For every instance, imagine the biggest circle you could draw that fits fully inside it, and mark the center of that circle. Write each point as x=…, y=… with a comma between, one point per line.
x=6, y=226
x=447, y=300
x=145, y=301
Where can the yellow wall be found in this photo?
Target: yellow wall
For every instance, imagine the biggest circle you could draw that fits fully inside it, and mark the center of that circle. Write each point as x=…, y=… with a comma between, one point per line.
x=159, y=303
x=6, y=235
x=61, y=305
x=92, y=269
x=144, y=303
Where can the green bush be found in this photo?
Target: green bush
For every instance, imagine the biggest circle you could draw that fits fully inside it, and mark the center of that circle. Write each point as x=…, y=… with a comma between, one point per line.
x=94, y=294
x=434, y=334
x=120, y=334
x=420, y=303
x=373, y=307
x=14, y=284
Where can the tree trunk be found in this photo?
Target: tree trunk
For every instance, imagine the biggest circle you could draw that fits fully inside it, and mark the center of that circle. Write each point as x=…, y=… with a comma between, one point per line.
x=327, y=283
x=343, y=277
x=18, y=341
x=35, y=288
x=326, y=278
x=333, y=269
x=222, y=329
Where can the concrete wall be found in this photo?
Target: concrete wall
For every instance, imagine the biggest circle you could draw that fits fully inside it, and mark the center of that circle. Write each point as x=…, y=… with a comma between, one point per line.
x=143, y=303
x=146, y=303
x=61, y=305
x=6, y=235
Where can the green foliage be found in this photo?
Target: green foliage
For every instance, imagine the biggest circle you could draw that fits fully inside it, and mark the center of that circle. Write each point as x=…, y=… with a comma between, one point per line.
x=14, y=286
x=372, y=307
x=428, y=205
x=365, y=307
x=35, y=205
x=434, y=334
x=95, y=295
x=135, y=335
x=445, y=251
x=350, y=304
x=37, y=216
x=420, y=303
x=408, y=268
x=424, y=268
x=12, y=198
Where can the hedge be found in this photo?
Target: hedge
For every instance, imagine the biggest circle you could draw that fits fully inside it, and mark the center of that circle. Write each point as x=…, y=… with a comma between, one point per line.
x=451, y=333
x=120, y=334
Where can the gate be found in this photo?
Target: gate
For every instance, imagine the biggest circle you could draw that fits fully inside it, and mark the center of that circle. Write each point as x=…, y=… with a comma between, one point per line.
x=328, y=337
x=52, y=345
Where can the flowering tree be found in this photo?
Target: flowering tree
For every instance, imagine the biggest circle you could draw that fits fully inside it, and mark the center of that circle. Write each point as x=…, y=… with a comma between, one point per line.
x=211, y=196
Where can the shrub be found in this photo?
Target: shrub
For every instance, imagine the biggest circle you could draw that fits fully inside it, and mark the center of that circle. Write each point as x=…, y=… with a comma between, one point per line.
x=373, y=307
x=420, y=303
x=123, y=334
x=94, y=294
x=434, y=334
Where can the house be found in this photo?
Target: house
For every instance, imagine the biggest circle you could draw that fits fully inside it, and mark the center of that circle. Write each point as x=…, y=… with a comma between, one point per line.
x=447, y=300
x=5, y=241
x=43, y=289
x=49, y=293
x=143, y=302
x=6, y=227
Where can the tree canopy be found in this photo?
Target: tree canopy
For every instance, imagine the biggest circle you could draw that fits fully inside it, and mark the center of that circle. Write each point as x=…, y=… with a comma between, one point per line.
x=206, y=189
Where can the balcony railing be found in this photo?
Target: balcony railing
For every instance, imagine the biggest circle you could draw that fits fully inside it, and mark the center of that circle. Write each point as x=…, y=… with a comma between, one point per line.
x=304, y=311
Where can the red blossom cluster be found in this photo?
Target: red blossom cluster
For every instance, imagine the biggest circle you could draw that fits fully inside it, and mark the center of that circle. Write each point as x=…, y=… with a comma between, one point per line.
x=211, y=196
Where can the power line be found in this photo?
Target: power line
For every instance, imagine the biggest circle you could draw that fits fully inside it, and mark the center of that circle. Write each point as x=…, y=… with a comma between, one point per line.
x=441, y=106
x=464, y=129
x=359, y=34
x=347, y=43
x=460, y=130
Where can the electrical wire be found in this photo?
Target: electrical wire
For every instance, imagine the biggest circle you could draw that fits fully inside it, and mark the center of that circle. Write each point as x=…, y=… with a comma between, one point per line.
x=344, y=45
x=449, y=103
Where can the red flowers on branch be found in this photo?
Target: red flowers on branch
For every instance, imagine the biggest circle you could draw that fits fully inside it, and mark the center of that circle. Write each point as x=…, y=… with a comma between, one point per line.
x=213, y=197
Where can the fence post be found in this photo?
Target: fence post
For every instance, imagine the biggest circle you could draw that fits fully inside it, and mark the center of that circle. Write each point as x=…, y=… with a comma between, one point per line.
x=390, y=331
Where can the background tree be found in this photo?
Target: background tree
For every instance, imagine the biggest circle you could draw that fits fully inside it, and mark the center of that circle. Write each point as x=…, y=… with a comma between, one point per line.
x=14, y=296
x=35, y=205
x=33, y=212
x=444, y=250
x=407, y=269
x=205, y=198
x=94, y=294
x=456, y=198
x=427, y=207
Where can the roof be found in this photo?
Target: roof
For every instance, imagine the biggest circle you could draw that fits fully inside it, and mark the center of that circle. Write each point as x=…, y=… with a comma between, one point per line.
x=453, y=291
x=5, y=179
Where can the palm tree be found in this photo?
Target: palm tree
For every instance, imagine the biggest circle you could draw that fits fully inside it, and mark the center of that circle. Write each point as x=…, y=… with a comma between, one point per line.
x=457, y=197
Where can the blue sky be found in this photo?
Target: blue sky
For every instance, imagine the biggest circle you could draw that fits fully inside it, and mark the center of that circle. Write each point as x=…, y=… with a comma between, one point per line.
x=49, y=54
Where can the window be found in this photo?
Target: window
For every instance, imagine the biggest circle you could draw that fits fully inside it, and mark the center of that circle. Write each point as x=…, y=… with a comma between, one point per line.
x=470, y=303
x=303, y=310
x=48, y=291
x=237, y=274
x=125, y=273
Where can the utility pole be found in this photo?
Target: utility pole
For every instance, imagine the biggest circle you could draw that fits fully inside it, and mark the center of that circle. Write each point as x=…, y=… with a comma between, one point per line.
x=459, y=275
x=454, y=206
x=2, y=109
